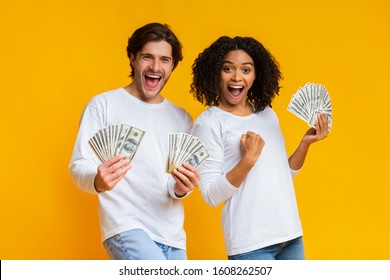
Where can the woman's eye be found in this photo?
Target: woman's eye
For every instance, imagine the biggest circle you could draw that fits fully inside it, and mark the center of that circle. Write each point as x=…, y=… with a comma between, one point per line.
x=227, y=69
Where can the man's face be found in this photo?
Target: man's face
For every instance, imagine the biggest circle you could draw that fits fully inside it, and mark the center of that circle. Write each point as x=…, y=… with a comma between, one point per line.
x=152, y=67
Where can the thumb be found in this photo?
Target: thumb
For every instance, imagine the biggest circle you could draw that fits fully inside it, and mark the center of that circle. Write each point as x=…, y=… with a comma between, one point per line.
x=243, y=139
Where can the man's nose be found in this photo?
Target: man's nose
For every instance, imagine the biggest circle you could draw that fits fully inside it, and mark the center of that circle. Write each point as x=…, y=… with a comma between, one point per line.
x=155, y=65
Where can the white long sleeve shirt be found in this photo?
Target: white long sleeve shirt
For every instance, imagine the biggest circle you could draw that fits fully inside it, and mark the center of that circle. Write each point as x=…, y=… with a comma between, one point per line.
x=263, y=211
x=144, y=198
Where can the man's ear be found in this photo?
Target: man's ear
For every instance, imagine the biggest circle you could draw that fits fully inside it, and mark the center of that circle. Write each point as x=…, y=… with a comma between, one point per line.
x=132, y=58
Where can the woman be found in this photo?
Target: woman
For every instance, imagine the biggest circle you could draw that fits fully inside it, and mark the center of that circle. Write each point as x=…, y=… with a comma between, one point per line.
x=248, y=169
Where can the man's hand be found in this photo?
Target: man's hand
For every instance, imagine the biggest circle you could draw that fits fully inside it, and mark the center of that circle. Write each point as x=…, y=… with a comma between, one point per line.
x=186, y=177
x=111, y=172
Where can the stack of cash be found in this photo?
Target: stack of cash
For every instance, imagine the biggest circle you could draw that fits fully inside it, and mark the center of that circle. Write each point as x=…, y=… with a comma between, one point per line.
x=116, y=139
x=184, y=147
x=308, y=101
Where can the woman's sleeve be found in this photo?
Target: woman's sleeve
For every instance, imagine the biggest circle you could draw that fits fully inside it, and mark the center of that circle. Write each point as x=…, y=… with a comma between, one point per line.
x=214, y=186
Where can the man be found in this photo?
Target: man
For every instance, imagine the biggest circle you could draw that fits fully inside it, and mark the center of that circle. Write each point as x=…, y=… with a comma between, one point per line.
x=141, y=215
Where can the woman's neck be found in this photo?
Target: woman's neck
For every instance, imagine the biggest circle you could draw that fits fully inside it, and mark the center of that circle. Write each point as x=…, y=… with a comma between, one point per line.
x=244, y=109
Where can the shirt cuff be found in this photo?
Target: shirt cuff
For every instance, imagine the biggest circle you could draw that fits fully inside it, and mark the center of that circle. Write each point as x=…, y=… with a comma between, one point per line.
x=171, y=191
x=294, y=172
x=228, y=184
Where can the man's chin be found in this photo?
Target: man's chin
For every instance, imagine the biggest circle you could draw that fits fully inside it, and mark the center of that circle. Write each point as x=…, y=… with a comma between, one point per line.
x=152, y=94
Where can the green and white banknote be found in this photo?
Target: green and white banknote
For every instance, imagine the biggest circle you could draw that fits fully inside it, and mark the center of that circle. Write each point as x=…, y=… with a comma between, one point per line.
x=116, y=139
x=308, y=101
x=183, y=148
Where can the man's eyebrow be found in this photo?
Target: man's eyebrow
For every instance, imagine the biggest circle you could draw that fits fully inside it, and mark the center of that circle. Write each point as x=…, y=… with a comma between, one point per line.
x=152, y=55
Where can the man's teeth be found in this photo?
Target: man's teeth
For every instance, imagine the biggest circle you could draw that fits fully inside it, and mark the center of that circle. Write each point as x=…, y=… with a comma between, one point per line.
x=153, y=77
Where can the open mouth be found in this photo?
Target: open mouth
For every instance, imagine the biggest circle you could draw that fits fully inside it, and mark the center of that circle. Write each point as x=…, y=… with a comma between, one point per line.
x=235, y=90
x=152, y=80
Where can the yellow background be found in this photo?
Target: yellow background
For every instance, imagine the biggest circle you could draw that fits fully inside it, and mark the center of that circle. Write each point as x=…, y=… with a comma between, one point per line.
x=56, y=55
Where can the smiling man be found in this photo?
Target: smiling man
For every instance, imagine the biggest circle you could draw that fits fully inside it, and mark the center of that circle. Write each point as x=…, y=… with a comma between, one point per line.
x=140, y=210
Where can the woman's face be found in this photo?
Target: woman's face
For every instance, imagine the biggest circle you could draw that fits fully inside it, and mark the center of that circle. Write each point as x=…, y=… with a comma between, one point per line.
x=237, y=77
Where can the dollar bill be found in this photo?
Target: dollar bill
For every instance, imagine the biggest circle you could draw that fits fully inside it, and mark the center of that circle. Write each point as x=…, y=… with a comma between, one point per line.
x=198, y=157
x=116, y=139
x=308, y=101
x=183, y=147
x=131, y=142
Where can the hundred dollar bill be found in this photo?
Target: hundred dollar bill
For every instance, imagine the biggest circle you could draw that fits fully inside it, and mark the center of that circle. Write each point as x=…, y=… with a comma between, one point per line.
x=92, y=142
x=131, y=143
x=121, y=137
x=116, y=139
x=198, y=157
x=183, y=147
x=308, y=101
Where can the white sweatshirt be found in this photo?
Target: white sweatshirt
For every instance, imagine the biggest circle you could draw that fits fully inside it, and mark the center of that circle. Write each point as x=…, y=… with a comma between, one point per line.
x=263, y=211
x=144, y=198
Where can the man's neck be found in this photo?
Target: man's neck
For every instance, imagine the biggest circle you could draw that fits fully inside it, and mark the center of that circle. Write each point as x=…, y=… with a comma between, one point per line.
x=133, y=90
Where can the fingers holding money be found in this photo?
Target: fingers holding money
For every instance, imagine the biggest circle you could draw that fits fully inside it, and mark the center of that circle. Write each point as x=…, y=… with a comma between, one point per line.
x=308, y=101
x=320, y=131
x=191, y=172
x=322, y=126
x=186, y=177
x=111, y=172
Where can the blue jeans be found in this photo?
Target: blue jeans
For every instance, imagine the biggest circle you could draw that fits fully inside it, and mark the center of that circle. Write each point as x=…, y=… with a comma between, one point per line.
x=136, y=244
x=289, y=250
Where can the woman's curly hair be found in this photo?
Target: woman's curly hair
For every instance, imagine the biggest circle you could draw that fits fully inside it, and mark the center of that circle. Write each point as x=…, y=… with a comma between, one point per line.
x=207, y=68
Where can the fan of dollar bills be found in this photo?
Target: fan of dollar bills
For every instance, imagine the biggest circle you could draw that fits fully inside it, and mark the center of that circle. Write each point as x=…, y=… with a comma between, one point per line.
x=116, y=139
x=308, y=101
x=184, y=147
